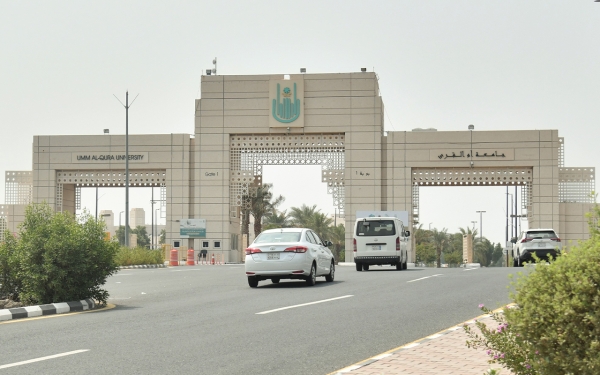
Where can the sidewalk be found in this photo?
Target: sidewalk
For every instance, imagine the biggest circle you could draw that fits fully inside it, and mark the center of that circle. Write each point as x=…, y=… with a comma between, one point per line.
x=443, y=353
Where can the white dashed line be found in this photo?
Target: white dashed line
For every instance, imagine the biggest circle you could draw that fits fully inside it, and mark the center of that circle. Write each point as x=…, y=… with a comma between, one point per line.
x=303, y=304
x=423, y=278
x=43, y=358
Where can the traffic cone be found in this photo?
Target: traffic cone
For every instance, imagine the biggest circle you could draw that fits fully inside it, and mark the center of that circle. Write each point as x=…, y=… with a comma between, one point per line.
x=212, y=259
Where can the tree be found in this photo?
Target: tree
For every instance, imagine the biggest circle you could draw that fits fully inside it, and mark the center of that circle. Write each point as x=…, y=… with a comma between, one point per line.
x=338, y=238
x=277, y=220
x=263, y=205
x=483, y=252
x=163, y=236
x=321, y=224
x=425, y=253
x=143, y=240
x=421, y=235
x=120, y=234
x=473, y=232
x=61, y=258
x=440, y=241
x=302, y=217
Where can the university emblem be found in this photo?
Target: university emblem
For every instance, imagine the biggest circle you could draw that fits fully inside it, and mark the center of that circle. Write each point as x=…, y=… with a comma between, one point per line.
x=286, y=106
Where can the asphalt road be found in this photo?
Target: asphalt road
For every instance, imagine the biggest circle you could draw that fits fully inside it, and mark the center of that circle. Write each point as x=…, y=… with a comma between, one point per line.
x=206, y=320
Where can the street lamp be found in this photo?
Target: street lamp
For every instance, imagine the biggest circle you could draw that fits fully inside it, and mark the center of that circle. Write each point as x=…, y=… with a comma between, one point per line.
x=430, y=226
x=473, y=222
x=480, y=224
x=156, y=221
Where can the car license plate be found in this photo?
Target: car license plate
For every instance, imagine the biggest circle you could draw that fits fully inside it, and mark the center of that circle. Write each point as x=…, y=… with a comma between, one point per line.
x=541, y=244
x=273, y=256
x=376, y=247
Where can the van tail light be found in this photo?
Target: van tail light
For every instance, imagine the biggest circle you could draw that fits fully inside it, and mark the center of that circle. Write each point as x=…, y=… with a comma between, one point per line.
x=296, y=249
x=354, y=244
x=526, y=240
x=555, y=239
x=252, y=250
x=397, y=243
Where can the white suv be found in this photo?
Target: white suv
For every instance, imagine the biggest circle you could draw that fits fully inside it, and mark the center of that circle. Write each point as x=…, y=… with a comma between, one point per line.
x=541, y=242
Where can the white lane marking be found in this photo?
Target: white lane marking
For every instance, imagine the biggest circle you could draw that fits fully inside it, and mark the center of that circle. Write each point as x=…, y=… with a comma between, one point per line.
x=469, y=269
x=43, y=358
x=423, y=278
x=185, y=270
x=304, y=304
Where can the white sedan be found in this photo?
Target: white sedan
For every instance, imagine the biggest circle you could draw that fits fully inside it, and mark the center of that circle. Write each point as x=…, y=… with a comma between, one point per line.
x=289, y=253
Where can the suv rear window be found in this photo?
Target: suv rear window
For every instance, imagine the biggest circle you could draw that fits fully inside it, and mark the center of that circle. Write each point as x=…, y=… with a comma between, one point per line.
x=375, y=228
x=541, y=234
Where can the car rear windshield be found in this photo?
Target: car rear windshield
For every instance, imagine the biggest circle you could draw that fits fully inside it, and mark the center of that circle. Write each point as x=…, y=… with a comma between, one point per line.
x=278, y=237
x=375, y=228
x=541, y=234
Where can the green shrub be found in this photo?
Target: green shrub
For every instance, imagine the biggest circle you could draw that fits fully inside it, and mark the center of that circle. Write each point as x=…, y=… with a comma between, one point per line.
x=9, y=282
x=136, y=256
x=61, y=258
x=559, y=311
x=555, y=328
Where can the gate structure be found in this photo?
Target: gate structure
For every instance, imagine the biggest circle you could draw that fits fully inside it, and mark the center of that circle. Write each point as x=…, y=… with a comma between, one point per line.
x=334, y=120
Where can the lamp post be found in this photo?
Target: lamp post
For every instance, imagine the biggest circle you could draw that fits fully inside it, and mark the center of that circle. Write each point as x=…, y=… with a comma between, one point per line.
x=156, y=221
x=480, y=224
x=126, y=105
x=430, y=226
x=473, y=222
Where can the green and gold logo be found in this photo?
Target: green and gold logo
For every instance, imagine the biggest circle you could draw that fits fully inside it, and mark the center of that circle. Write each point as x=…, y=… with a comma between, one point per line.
x=286, y=108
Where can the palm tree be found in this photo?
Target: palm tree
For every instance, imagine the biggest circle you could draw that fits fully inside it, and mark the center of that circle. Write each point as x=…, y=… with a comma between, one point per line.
x=321, y=224
x=483, y=252
x=277, y=220
x=263, y=206
x=421, y=235
x=302, y=217
x=470, y=231
x=440, y=240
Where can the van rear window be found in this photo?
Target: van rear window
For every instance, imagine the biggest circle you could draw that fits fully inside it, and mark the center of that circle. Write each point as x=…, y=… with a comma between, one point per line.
x=375, y=228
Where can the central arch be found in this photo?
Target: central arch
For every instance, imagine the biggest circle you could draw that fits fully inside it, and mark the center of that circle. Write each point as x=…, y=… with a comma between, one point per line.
x=249, y=153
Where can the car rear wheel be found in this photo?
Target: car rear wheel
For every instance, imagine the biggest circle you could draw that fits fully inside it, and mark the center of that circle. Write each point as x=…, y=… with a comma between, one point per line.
x=399, y=266
x=365, y=267
x=312, y=278
x=358, y=267
x=252, y=281
x=331, y=274
x=275, y=280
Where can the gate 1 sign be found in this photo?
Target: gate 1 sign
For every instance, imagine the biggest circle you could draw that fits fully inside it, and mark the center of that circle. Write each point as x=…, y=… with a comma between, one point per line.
x=192, y=228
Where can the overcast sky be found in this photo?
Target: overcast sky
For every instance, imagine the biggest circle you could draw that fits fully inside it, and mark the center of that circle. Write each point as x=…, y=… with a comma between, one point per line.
x=443, y=64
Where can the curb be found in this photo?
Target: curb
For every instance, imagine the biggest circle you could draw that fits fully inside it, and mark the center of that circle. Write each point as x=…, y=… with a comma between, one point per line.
x=143, y=266
x=49, y=309
x=416, y=343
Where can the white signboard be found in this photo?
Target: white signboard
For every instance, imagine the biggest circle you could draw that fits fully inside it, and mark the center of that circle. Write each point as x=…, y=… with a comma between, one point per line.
x=192, y=228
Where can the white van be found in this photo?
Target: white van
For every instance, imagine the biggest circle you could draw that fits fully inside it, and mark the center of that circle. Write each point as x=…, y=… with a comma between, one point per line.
x=380, y=240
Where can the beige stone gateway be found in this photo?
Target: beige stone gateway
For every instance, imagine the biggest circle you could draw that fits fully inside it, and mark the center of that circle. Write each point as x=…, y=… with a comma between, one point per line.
x=331, y=120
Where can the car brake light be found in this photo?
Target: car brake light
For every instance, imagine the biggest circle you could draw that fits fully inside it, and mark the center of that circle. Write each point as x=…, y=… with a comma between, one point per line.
x=252, y=250
x=555, y=239
x=397, y=243
x=526, y=240
x=354, y=245
x=297, y=249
